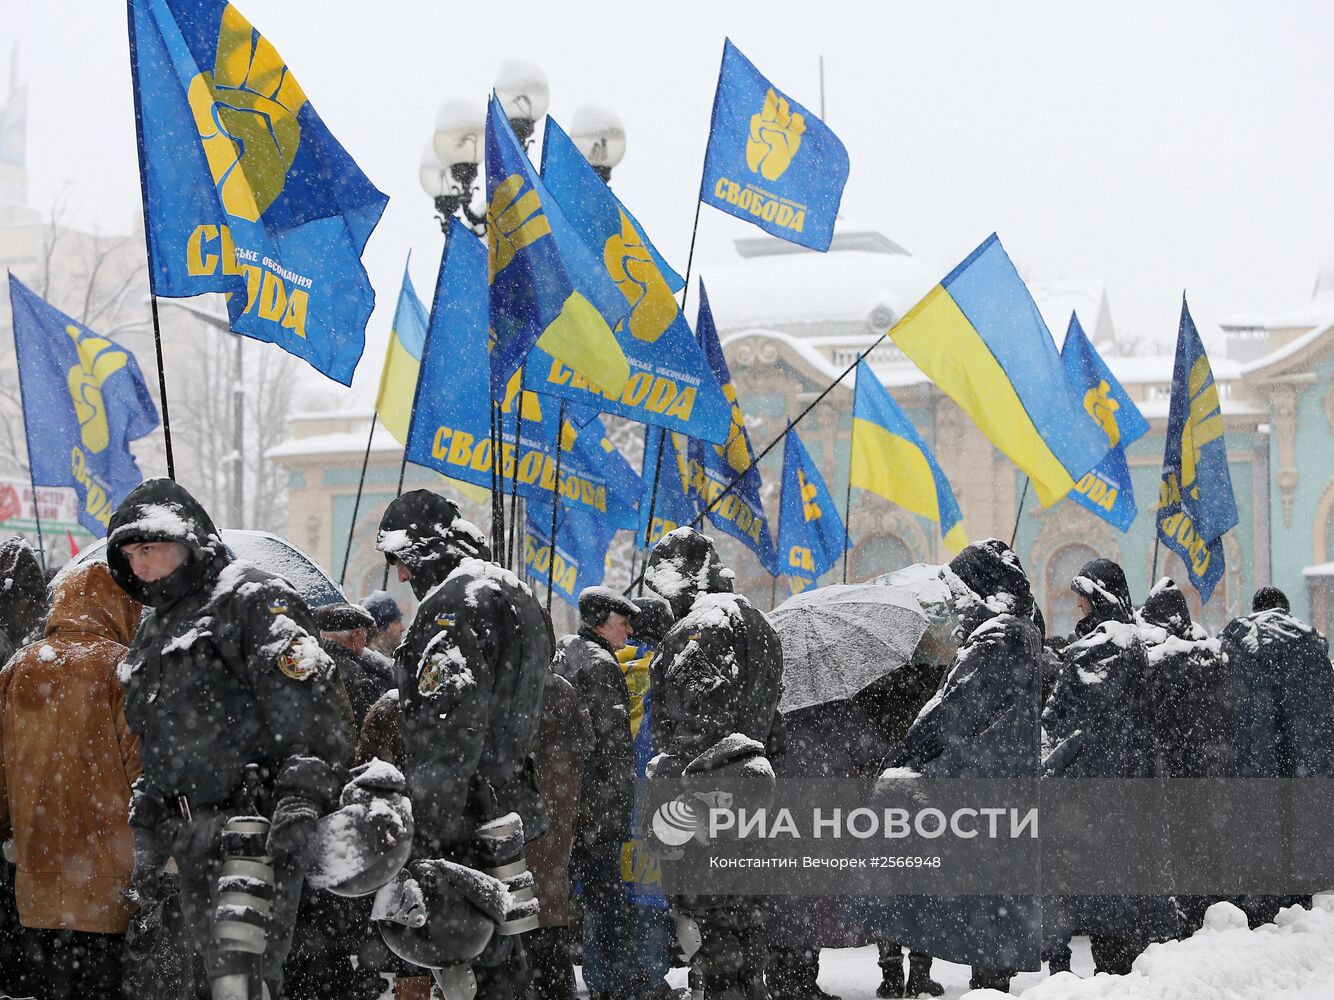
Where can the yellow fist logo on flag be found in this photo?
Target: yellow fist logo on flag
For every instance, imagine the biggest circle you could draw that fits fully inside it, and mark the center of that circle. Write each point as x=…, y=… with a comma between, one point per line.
x=809, y=508
x=513, y=222
x=246, y=114
x=1100, y=405
x=775, y=137
x=98, y=361
x=631, y=266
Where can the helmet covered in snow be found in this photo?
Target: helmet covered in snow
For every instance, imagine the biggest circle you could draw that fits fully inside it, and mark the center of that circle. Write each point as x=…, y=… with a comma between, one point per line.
x=732, y=774
x=423, y=531
x=683, y=565
x=437, y=913
x=363, y=844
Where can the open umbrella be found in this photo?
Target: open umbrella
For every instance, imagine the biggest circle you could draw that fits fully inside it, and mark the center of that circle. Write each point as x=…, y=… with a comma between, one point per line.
x=839, y=639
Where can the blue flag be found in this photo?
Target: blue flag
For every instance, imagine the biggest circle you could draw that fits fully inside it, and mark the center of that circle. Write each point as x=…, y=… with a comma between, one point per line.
x=810, y=532
x=582, y=540
x=770, y=161
x=547, y=289
x=673, y=507
x=245, y=190
x=712, y=468
x=670, y=384
x=1196, y=506
x=1106, y=490
x=451, y=422
x=84, y=401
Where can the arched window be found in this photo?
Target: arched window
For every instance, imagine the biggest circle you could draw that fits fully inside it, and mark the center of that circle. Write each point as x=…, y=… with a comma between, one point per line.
x=875, y=555
x=1061, y=611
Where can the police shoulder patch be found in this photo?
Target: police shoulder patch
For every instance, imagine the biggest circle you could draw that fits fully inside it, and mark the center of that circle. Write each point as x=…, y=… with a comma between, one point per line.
x=446, y=619
x=296, y=660
x=277, y=606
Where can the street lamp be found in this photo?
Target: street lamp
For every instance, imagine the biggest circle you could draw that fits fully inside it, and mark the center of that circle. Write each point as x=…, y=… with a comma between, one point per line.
x=599, y=134
x=449, y=164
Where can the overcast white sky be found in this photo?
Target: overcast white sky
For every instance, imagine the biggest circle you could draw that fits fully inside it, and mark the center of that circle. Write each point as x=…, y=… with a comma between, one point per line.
x=1157, y=146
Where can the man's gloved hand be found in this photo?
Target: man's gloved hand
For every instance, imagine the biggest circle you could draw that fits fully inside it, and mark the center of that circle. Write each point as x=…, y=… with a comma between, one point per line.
x=292, y=828
x=146, y=877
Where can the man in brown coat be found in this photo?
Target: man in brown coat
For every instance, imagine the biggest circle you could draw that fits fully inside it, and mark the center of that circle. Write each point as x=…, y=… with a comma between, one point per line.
x=67, y=758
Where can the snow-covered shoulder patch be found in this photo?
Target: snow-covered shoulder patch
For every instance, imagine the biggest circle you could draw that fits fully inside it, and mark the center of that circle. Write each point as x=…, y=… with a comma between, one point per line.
x=1290, y=959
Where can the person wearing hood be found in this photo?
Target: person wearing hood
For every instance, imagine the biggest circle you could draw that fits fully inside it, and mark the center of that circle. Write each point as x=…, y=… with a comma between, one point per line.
x=982, y=723
x=1193, y=713
x=1098, y=723
x=589, y=661
x=1284, y=690
x=67, y=760
x=719, y=675
x=343, y=629
x=471, y=669
x=225, y=672
x=22, y=595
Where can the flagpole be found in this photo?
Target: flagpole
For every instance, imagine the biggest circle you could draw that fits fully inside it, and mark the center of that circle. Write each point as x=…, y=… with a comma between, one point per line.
x=847, y=513
x=1157, y=537
x=148, y=246
x=398, y=492
x=498, y=481
x=356, y=505
x=1020, y=512
x=555, y=505
x=652, y=506
x=32, y=475
x=774, y=443
x=514, y=479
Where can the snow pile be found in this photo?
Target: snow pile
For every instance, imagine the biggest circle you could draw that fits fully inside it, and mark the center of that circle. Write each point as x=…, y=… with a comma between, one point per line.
x=161, y=520
x=394, y=541
x=1289, y=959
x=47, y=654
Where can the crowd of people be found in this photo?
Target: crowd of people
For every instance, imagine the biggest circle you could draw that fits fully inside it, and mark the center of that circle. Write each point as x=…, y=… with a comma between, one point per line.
x=151, y=699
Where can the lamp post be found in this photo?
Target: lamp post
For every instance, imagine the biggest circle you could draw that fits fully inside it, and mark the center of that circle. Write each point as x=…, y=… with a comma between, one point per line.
x=450, y=160
x=600, y=135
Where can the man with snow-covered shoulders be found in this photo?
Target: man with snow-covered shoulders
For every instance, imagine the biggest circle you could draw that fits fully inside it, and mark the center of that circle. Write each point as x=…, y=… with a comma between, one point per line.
x=716, y=683
x=225, y=671
x=471, y=671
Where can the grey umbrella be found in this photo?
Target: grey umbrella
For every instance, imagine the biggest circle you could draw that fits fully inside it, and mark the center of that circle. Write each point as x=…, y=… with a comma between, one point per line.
x=837, y=640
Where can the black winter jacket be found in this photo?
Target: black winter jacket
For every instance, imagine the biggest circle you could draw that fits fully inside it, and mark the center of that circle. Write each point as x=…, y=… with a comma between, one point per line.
x=225, y=669
x=608, y=788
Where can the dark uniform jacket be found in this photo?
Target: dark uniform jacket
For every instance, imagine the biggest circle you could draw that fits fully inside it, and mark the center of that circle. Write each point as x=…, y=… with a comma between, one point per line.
x=1284, y=687
x=22, y=595
x=472, y=669
x=225, y=670
x=608, y=792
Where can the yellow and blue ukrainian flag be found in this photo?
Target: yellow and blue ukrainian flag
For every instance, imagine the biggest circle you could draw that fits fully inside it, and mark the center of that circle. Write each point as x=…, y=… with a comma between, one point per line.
x=769, y=160
x=671, y=384
x=84, y=401
x=890, y=458
x=402, y=362
x=246, y=192
x=451, y=423
x=1196, y=505
x=1106, y=490
x=810, y=532
x=546, y=288
x=979, y=337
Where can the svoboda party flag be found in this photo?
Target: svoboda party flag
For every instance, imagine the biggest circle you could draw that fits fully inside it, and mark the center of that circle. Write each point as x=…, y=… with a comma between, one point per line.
x=712, y=468
x=1106, y=490
x=547, y=289
x=675, y=505
x=810, y=532
x=84, y=401
x=770, y=161
x=451, y=422
x=1196, y=506
x=582, y=540
x=670, y=384
x=245, y=190
x=979, y=337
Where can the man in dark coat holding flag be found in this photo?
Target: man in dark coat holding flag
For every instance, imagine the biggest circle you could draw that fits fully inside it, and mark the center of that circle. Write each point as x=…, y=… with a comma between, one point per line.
x=982, y=723
x=225, y=672
x=719, y=675
x=471, y=671
x=1098, y=723
x=1284, y=689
